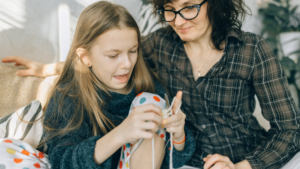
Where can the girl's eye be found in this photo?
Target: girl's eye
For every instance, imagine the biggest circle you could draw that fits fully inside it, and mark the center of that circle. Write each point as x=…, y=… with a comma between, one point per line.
x=113, y=56
x=133, y=51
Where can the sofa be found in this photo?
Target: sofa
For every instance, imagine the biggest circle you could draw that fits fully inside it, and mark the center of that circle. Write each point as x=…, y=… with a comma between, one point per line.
x=16, y=92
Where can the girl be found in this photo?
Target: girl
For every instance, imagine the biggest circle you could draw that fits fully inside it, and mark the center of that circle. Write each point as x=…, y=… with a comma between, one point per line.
x=86, y=119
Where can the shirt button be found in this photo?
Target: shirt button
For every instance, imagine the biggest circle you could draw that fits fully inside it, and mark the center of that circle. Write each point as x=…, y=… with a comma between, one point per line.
x=203, y=126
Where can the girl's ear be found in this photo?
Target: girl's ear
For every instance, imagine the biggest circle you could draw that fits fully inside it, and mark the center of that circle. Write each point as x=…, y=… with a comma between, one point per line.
x=83, y=55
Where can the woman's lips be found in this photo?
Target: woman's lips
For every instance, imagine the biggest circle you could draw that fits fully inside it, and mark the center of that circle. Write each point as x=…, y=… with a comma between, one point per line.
x=183, y=30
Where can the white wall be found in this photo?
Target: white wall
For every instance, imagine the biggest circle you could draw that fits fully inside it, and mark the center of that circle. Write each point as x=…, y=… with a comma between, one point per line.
x=30, y=28
x=41, y=30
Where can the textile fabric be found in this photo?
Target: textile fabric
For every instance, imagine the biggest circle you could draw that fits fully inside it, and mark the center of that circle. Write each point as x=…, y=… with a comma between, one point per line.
x=76, y=149
x=220, y=105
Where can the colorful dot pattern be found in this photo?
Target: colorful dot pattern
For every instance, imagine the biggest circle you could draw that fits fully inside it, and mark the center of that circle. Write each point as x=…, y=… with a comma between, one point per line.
x=141, y=99
x=20, y=155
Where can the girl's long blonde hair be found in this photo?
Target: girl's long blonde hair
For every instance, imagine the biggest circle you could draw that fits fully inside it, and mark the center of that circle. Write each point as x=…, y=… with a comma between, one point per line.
x=80, y=83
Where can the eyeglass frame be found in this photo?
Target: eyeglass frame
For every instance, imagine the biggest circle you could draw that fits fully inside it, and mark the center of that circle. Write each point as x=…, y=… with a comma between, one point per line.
x=198, y=6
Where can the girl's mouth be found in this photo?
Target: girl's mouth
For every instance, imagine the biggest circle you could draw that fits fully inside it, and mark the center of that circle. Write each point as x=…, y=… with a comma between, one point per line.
x=122, y=78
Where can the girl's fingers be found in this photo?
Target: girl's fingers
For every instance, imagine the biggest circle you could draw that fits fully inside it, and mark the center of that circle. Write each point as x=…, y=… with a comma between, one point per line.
x=175, y=118
x=176, y=124
x=149, y=126
x=149, y=108
x=177, y=101
x=150, y=116
x=16, y=59
x=143, y=134
x=26, y=72
x=174, y=129
x=217, y=158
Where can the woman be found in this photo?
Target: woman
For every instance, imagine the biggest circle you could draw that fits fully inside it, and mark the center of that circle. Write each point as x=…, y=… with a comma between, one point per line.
x=220, y=69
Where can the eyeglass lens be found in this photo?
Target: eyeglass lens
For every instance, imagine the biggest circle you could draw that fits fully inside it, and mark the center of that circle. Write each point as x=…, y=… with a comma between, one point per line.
x=188, y=13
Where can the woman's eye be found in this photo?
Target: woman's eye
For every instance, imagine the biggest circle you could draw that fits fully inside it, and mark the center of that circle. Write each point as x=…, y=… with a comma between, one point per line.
x=169, y=9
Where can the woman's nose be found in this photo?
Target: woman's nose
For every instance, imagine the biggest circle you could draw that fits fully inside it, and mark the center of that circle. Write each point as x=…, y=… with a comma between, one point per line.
x=179, y=21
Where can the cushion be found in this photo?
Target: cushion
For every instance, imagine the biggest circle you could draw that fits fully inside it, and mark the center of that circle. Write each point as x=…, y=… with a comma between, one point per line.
x=25, y=124
x=148, y=22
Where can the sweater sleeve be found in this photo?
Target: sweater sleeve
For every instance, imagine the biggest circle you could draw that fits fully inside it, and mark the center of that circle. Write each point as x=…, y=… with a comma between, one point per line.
x=74, y=149
x=180, y=158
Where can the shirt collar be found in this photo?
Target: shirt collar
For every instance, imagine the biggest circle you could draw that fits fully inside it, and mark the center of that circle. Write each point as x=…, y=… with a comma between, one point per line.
x=233, y=33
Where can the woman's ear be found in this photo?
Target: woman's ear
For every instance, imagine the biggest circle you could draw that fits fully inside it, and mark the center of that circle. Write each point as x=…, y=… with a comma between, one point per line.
x=83, y=55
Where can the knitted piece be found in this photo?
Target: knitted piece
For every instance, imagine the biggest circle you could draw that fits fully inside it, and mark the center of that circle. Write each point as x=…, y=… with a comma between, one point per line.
x=141, y=99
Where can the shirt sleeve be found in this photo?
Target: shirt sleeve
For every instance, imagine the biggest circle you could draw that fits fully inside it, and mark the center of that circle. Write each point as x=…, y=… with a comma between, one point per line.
x=180, y=158
x=75, y=149
x=278, y=107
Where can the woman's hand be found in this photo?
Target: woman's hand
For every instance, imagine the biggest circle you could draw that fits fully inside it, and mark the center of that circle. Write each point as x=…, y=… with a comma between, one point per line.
x=142, y=122
x=175, y=123
x=218, y=161
x=34, y=68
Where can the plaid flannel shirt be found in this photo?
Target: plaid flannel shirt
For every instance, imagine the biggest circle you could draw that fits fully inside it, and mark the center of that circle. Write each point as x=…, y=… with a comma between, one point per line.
x=220, y=105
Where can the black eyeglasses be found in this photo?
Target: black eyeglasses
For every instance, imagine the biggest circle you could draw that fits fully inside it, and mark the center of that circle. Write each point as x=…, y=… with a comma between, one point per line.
x=189, y=12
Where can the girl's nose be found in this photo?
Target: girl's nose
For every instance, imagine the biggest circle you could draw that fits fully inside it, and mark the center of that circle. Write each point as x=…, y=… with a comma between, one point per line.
x=126, y=62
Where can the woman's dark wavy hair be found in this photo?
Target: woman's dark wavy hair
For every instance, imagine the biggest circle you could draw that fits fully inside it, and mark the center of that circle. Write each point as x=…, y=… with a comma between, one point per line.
x=223, y=15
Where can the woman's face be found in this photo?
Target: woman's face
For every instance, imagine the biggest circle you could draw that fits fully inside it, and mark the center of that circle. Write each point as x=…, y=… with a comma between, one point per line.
x=189, y=30
x=113, y=57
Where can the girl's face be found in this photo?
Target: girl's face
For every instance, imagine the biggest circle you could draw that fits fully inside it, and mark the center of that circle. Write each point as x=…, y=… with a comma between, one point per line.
x=189, y=30
x=113, y=57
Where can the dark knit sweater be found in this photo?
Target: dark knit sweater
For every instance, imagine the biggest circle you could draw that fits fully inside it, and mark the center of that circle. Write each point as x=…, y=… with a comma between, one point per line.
x=76, y=149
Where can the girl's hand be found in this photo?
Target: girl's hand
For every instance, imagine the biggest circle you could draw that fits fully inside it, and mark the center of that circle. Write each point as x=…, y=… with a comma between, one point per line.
x=142, y=122
x=218, y=161
x=176, y=122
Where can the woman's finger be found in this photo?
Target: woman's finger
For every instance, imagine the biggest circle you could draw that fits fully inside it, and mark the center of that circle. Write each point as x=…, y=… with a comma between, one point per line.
x=214, y=159
x=220, y=165
x=207, y=157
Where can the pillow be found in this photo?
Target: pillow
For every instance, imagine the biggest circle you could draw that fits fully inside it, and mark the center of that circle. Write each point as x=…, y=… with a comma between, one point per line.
x=147, y=21
x=25, y=124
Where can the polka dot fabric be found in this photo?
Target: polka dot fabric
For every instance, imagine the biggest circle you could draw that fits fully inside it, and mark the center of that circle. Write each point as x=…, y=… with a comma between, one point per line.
x=17, y=154
x=141, y=99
